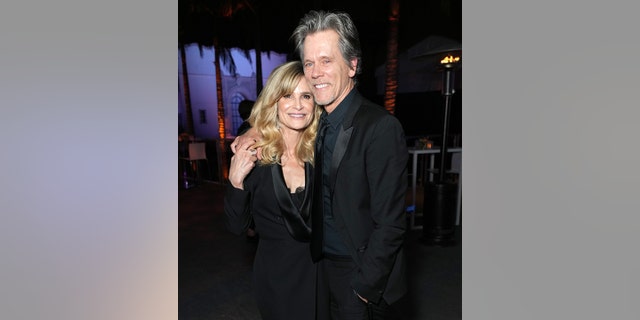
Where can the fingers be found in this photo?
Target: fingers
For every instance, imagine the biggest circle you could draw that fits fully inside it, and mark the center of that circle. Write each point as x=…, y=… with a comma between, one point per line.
x=241, y=164
x=249, y=143
x=242, y=143
x=253, y=156
x=234, y=144
x=244, y=159
x=259, y=153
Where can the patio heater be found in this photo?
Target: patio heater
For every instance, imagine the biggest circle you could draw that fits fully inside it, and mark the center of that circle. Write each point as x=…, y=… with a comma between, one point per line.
x=440, y=197
x=448, y=67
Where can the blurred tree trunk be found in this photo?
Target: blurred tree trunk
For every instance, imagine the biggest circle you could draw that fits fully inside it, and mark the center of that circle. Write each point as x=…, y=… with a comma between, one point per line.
x=391, y=79
x=258, y=71
x=220, y=105
x=221, y=126
x=258, y=56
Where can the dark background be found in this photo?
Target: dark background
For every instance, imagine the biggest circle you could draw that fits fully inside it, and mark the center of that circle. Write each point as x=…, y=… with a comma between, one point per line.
x=268, y=24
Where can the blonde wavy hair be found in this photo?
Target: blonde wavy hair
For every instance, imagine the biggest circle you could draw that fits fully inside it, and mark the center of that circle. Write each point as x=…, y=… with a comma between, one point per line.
x=264, y=116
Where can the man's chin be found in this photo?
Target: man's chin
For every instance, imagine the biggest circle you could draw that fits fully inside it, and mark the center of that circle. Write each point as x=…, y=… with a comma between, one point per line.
x=324, y=102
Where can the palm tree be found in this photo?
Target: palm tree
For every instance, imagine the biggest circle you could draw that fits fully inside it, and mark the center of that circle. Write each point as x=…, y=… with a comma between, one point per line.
x=258, y=54
x=204, y=22
x=227, y=11
x=391, y=80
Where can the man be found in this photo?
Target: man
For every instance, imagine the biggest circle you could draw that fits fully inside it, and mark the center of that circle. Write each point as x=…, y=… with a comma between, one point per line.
x=358, y=222
x=244, y=109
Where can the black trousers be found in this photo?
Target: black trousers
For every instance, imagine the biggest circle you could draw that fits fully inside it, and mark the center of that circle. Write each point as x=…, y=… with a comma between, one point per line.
x=337, y=300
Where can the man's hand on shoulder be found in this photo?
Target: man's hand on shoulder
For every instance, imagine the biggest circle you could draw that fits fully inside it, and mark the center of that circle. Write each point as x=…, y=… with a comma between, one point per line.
x=246, y=141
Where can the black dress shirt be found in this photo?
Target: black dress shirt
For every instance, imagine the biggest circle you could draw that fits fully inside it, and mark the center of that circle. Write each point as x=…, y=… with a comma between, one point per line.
x=333, y=243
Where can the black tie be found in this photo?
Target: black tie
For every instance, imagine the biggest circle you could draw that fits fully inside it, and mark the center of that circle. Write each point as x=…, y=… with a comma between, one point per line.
x=318, y=201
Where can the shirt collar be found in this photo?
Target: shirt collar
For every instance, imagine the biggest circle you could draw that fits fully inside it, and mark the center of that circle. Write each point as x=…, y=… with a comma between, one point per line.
x=336, y=117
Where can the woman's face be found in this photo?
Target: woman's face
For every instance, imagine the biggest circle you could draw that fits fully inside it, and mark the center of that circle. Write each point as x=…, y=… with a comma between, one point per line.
x=295, y=110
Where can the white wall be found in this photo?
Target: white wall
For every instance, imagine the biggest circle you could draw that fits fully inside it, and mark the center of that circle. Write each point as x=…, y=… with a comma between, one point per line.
x=202, y=85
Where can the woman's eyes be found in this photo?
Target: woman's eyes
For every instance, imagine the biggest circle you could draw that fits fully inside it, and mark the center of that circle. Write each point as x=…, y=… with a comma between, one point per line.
x=304, y=96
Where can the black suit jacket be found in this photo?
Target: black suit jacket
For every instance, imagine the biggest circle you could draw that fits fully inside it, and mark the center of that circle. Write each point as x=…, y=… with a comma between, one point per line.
x=283, y=273
x=368, y=179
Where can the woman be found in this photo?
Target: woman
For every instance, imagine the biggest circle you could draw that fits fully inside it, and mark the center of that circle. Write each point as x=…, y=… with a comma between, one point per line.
x=276, y=191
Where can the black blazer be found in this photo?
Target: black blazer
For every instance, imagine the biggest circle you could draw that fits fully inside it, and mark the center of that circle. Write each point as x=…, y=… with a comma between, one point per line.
x=267, y=199
x=284, y=276
x=368, y=180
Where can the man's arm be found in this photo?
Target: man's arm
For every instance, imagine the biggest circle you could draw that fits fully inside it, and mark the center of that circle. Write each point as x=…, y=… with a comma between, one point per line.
x=387, y=175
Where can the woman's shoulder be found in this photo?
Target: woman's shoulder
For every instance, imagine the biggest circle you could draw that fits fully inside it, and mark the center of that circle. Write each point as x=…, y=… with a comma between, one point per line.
x=259, y=173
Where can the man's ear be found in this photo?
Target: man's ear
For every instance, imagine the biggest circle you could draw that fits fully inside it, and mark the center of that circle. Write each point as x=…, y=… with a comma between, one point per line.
x=353, y=65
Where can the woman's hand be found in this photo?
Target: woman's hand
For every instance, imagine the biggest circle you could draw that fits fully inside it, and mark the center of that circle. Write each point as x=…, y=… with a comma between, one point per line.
x=246, y=141
x=242, y=162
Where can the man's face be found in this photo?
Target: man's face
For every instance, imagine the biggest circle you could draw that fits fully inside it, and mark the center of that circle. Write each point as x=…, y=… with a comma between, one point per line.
x=329, y=76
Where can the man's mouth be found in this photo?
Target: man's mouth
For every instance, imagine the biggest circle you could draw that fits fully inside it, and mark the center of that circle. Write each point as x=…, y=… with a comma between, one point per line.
x=321, y=85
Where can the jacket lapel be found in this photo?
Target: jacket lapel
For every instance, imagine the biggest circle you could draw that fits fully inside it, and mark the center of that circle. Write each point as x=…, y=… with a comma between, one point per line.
x=338, y=153
x=295, y=219
x=343, y=137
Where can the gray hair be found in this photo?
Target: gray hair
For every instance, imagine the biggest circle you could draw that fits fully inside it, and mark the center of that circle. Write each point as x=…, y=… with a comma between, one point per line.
x=340, y=22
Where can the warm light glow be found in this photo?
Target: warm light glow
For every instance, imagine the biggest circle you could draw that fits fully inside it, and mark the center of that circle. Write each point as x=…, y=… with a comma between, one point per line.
x=449, y=59
x=424, y=143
